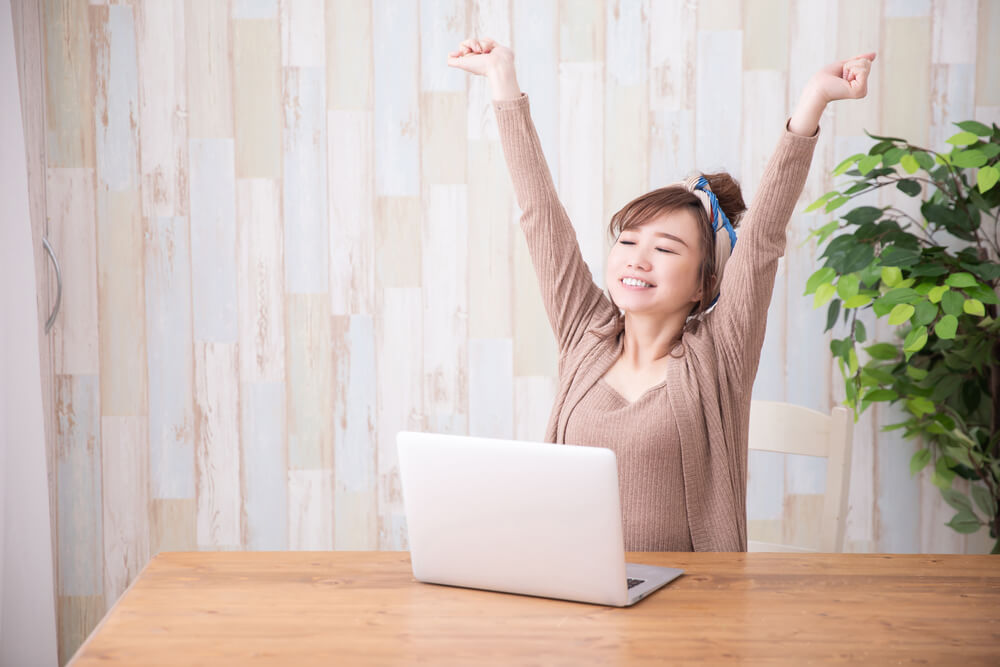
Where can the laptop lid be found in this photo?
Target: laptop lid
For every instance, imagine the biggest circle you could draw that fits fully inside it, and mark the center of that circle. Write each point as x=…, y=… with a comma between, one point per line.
x=522, y=517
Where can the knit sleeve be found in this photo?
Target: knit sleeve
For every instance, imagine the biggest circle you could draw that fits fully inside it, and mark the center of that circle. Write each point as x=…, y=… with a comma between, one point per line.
x=739, y=318
x=573, y=302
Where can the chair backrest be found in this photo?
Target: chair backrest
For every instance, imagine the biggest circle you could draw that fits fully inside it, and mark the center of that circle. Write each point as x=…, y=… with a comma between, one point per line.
x=792, y=429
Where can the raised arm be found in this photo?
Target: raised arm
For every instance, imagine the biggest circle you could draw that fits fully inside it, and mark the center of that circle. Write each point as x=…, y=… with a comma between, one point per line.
x=573, y=302
x=739, y=318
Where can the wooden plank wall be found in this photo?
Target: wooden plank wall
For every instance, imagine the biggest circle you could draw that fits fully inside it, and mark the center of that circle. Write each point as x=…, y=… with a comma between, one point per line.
x=287, y=232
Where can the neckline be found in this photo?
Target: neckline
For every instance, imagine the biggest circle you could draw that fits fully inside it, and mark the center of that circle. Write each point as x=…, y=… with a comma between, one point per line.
x=619, y=395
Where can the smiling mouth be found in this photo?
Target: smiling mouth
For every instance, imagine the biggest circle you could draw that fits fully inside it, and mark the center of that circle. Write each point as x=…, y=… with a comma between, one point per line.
x=627, y=286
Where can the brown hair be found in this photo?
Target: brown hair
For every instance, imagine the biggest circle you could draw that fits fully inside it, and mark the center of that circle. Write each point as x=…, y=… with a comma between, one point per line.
x=677, y=197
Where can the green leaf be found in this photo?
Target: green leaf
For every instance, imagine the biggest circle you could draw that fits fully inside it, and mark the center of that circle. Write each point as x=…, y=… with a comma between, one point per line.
x=946, y=327
x=846, y=164
x=924, y=159
x=857, y=301
x=899, y=295
x=919, y=460
x=920, y=406
x=917, y=374
x=819, y=202
x=965, y=523
x=882, y=351
x=942, y=474
x=824, y=293
x=926, y=312
x=975, y=127
x=969, y=159
x=860, y=335
x=958, y=500
x=836, y=203
x=848, y=285
x=961, y=280
x=878, y=375
x=863, y=214
x=909, y=163
x=936, y=293
x=974, y=307
x=891, y=275
x=962, y=139
x=908, y=187
x=983, y=293
x=824, y=275
x=987, y=177
x=984, y=501
x=901, y=312
x=952, y=303
x=881, y=395
x=868, y=162
x=914, y=341
x=831, y=314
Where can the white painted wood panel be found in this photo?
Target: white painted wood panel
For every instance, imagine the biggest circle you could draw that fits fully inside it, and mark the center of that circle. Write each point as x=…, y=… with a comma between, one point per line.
x=491, y=388
x=397, y=117
x=265, y=480
x=310, y=510
x=170, y=359
x=217, y=447
x=355, y=500
x=399, y=368
x=117, y=98
x=303, y=33
x=125, y=501
x=305, y=180
x=718, y=125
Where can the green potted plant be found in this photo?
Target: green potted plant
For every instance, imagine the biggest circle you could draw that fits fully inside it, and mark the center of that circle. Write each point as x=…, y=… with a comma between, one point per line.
x=944, y=367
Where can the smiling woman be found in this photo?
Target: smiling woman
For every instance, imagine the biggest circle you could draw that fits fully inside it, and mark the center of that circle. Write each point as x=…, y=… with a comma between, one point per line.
x=665, y=239
x=653, y=370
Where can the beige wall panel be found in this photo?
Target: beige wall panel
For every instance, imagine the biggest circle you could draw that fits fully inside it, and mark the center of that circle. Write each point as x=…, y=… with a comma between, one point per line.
x=446, y=308
x=766, y=530
x=121, y=304
x=988, y=54
x=801, y=520
x=257, y=98
x=348, y=55
x=397, y=241
x=355, y=498
x=208, y=37
x=535, y=350
x=352, y=224
x=443, y=137
x=626, y=142
x=765, y=34
x=581, y=30
x=173, y=525
x=78, y=615
x=905, y=112
x=310, y=510
x=308, y=366
x=672, y=52
x=859, y=24
x=485, y=18
x=125, y=501
x=490, y=211
x=581, y=163
x=69, y=85
x=398, y=349
x=720, y=14
x=533, y=398
x=71, y=209
x=303, y=33
x=162, y=66
x=954, y=32
x=260, y=267
x=217, y=446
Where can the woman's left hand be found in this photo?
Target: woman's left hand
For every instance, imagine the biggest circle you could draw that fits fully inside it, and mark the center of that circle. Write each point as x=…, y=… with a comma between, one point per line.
x=843, y=79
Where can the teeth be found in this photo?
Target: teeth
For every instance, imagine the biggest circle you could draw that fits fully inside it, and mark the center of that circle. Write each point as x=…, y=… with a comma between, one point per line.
x=635, y=283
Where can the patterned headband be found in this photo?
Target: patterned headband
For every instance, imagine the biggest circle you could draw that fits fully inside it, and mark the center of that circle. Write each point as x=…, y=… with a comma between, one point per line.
x=698, y=185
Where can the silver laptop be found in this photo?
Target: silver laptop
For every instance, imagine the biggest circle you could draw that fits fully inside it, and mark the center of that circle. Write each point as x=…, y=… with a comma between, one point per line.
x=532, y=518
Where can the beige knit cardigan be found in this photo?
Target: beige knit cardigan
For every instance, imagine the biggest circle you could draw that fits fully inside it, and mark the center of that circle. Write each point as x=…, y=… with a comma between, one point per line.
x=709, y=386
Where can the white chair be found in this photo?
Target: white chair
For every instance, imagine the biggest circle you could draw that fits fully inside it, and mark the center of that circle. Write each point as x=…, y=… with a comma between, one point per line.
x=792, y=429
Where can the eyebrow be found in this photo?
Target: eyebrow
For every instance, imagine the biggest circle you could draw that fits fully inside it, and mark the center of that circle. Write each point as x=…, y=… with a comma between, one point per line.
x=672, y=237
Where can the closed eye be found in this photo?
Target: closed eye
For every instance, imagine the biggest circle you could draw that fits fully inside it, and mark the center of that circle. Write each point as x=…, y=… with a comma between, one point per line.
x=660, y=249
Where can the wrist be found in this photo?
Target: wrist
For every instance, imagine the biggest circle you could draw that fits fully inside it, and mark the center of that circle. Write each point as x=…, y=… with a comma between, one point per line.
x=503, y=82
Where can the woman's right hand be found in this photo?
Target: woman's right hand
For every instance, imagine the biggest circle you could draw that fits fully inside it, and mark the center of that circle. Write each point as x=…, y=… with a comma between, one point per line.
x=483, y=57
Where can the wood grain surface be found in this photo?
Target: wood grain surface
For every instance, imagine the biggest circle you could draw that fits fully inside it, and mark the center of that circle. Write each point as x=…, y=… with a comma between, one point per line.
x=352, y=608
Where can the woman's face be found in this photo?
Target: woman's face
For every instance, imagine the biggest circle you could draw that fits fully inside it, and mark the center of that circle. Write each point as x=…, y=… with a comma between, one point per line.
x=665, y=253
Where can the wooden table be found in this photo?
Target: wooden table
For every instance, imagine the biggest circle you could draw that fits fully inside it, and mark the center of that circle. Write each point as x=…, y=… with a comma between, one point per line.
x=347, y=608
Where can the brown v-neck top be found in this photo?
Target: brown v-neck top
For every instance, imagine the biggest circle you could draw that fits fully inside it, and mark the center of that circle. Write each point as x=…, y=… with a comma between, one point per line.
x=649, y=471
x=682, y=447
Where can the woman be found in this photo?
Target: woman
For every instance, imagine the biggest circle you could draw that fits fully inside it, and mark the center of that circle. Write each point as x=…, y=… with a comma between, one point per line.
x=661, y=369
